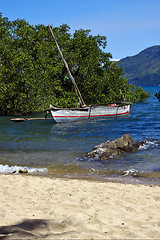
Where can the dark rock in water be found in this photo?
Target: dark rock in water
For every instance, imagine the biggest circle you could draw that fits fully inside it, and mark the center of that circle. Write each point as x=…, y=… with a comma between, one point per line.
x=158, y=95
x=114, y=148
x=142, y=143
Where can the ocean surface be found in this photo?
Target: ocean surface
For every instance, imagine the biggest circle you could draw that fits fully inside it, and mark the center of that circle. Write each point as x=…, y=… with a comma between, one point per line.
x=43, y=147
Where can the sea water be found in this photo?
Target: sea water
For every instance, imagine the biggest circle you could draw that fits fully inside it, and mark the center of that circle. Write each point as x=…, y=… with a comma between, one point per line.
x=44, y=147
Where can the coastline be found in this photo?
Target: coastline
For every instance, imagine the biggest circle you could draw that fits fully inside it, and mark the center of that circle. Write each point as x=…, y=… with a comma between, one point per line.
x=34, y=207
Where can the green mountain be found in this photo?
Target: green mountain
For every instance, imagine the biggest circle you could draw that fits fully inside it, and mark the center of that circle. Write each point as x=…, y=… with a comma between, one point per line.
x=143, y=69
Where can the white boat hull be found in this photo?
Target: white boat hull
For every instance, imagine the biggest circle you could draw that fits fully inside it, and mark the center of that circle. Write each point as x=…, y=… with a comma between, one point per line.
x=71, y=114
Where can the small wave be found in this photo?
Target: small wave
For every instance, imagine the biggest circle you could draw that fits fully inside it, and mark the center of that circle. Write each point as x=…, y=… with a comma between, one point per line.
x=130, y=172
x=148, y=144
x=155, y=174
x=16, y=169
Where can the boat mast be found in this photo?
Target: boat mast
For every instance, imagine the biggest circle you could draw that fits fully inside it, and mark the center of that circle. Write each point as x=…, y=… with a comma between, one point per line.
x=66, y=65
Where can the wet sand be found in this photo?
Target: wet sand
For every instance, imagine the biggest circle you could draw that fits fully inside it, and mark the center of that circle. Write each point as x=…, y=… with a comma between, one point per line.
x=43, y=208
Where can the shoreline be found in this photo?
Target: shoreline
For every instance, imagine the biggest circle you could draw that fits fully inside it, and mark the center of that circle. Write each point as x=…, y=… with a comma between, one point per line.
x=74, y=172
x=64, y=208
x=108, y=179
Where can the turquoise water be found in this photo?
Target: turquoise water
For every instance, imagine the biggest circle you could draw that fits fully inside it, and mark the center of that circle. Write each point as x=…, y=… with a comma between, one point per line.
x=43, y=147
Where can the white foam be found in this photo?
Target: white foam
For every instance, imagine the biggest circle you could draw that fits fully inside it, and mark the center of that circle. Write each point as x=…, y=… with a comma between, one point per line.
x=148, y=144
x=130, y=171
x=11, y=169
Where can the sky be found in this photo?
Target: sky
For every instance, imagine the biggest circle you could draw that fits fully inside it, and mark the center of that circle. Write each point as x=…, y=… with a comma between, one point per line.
x=129, y=25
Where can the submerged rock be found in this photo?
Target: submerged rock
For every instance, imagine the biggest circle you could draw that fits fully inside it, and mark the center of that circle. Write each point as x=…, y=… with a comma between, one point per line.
x=114, y=148
x=19, y=171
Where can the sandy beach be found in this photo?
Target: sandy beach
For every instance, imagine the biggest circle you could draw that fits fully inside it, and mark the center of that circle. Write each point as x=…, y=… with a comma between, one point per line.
x=43, y=208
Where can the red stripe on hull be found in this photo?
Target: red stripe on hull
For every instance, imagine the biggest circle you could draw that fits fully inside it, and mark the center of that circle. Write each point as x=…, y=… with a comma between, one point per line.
x=90, y=116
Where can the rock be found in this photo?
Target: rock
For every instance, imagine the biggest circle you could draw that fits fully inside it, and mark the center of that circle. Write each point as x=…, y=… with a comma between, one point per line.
x=114, y=148
x=19, y=171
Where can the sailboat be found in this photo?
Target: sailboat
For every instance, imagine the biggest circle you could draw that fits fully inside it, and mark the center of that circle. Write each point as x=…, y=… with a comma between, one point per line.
x=85, y=112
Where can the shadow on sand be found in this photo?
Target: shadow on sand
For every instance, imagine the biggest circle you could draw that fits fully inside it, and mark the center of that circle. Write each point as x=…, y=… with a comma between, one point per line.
x=34, y=229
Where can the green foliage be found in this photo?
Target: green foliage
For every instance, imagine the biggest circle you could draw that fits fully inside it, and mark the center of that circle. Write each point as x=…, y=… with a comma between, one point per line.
x=137, y=94
x=32, y=74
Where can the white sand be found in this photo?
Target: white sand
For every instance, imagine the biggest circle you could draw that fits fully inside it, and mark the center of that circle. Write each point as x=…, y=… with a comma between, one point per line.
x=44, y=208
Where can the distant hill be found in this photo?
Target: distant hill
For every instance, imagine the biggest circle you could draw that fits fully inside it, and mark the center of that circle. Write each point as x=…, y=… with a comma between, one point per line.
x=143, y=69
